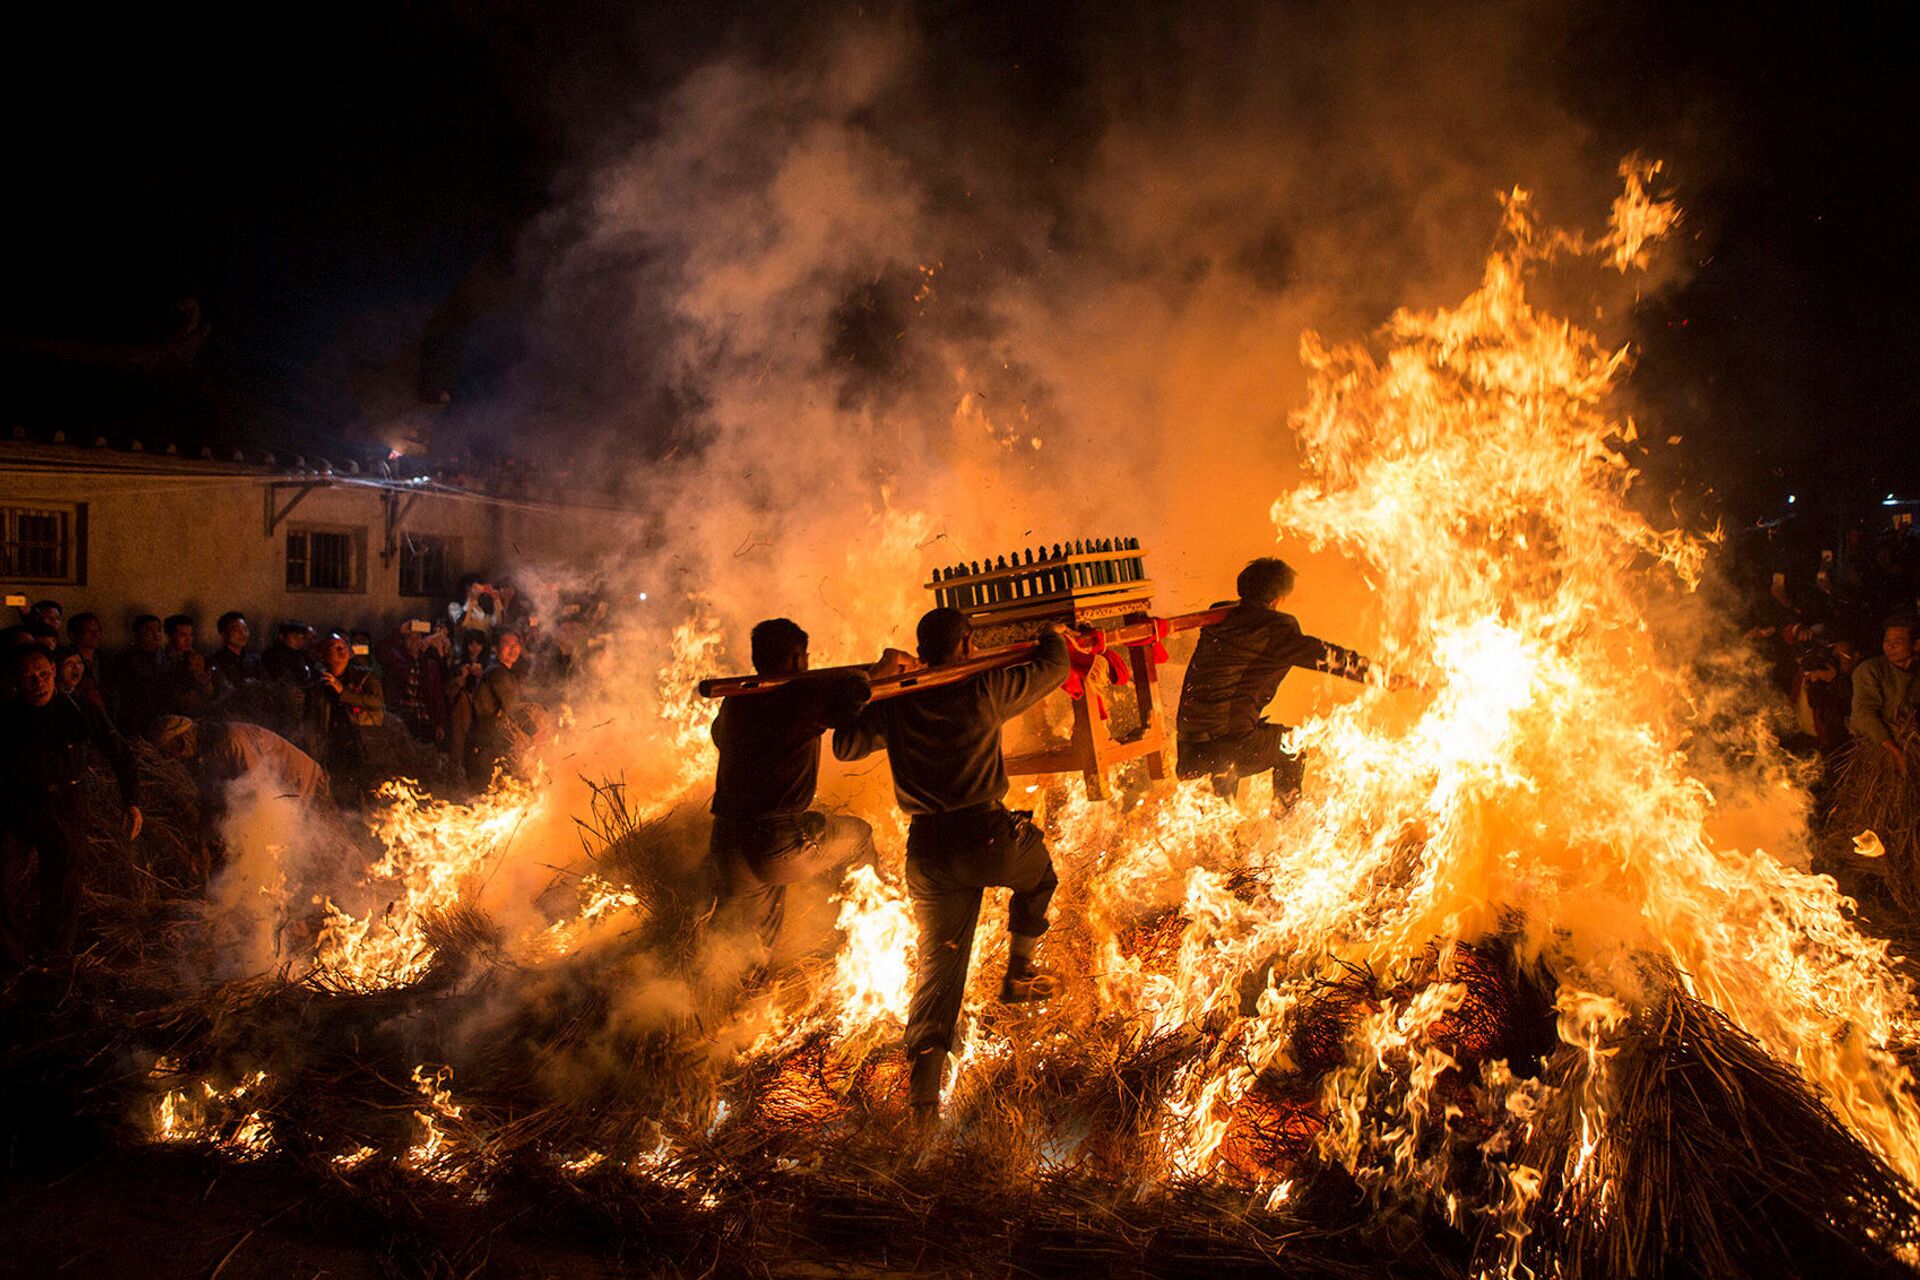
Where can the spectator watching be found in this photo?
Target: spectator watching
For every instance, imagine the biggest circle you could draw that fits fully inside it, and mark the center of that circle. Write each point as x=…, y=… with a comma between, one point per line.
x=44, y=741
x=343, y=698
x=234, y=665
x=139, y=683
x=1886, y=694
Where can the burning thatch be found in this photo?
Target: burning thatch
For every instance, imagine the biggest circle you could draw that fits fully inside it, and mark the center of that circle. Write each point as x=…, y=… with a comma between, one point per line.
x=1492, y=997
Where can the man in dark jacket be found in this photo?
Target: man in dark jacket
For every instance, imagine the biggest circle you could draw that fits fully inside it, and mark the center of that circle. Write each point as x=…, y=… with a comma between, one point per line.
x=85, y=633
x=288, y=660
x=44, y=736
x=234, y=665
x=766, y=835
x=495, y=697
x=1237, y=668
x=191, y=689
x=286, y=669
x=415, y=682
x=139, y=691
x=943, y=746
x=343, y=699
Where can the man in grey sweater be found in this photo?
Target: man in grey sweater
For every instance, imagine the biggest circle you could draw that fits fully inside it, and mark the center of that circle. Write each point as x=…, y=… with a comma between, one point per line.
x=1885, y=693
x=943, y=746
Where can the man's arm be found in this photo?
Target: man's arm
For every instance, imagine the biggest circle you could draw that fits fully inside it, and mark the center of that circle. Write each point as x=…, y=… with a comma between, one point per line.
x=110, y=743
x=1288, y=644
x=1345, y=663
x=1016, y=688
x=831, y=699
x=1869, y=706
x=860, y=737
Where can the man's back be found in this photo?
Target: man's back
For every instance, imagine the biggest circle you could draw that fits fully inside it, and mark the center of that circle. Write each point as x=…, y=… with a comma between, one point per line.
x=770, y=743
x=944, y=744
x=1238, y=665
x=237, y=749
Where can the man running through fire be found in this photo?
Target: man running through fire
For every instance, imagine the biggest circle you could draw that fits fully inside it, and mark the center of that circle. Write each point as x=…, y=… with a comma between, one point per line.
x=943, y=746
x=1236, y=669
x=765, y=834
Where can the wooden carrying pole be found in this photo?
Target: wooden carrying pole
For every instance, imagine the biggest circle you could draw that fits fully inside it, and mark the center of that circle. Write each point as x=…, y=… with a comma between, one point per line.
x=1132, y=634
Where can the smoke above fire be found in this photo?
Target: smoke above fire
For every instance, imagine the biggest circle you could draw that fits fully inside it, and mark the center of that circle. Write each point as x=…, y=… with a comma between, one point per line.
x=885, y=292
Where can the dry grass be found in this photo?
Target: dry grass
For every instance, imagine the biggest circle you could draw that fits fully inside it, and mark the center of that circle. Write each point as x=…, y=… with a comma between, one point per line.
x=1874, y=792
x=1723, y=1164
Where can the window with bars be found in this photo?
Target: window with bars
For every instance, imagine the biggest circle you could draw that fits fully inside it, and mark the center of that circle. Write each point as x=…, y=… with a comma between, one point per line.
x=324, y=559
x=428, y=564
x=43, y=543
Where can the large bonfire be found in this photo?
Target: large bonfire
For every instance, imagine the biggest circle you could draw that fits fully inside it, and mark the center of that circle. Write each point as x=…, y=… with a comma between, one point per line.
x=1494, y=991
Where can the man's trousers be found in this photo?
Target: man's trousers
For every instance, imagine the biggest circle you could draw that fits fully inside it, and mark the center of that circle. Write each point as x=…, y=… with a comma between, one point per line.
x=754, y=862
x=1227, y=760
x=951, y=858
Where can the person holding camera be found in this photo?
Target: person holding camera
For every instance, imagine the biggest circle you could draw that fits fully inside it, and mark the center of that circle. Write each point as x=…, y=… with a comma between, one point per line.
x=463, y=677
x=414, y=682
x=479, y=610
x=495, y=696
x=343, y=698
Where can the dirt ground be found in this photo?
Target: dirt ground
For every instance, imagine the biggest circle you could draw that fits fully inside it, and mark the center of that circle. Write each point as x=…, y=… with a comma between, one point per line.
x=161, y=1215
x=158, y=1214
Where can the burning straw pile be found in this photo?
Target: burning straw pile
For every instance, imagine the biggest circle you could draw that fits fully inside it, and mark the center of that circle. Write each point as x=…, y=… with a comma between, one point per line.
x=1492, y=998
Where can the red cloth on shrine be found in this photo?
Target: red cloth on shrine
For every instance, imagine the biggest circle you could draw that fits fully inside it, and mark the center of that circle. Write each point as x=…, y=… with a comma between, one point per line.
x=1084, y=649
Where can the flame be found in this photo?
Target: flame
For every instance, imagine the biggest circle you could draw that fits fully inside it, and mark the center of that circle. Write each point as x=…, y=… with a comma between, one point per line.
x=600, y=900
x=1542, y=788
x=437, y=854
x=873, y=970
x=586, y=1162
x=1469, y=464
x=205, y=1114
x=686, y=718
x=434, y=1154
x=348, y=1161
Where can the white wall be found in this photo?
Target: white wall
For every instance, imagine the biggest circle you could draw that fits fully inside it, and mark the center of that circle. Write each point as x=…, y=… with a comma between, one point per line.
x=169, y=536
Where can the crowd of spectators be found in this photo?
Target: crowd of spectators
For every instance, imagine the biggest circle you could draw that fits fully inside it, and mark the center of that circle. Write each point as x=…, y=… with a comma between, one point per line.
x=1817, y=618
x=323, y=713
x=453, y=683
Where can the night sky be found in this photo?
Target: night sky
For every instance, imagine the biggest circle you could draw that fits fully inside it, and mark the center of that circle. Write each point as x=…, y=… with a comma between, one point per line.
x=307, y=184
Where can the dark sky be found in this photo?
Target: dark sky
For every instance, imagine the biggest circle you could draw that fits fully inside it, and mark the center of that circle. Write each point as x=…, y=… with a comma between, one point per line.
x=324, y=186
x=1798, y=323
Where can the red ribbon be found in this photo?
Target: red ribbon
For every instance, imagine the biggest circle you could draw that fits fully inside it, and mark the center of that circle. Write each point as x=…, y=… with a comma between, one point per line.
x=1082, y=650
x=1086, y=648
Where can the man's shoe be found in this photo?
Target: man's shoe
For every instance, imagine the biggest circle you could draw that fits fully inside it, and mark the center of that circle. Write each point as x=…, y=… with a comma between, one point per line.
x=1026, y=982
